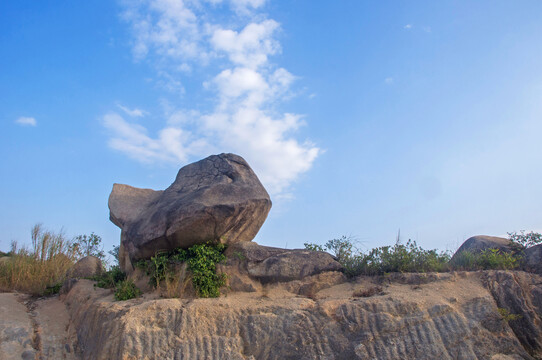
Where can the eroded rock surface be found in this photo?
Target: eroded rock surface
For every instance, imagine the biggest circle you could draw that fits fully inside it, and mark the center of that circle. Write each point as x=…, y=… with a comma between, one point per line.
x=215, y=199
x=446, y=316
x=532, y=259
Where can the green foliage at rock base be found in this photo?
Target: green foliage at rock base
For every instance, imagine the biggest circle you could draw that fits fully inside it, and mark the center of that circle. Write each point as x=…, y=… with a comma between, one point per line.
x=201, y=259
x=110, y=278
x=126, y=290
x=488, y=259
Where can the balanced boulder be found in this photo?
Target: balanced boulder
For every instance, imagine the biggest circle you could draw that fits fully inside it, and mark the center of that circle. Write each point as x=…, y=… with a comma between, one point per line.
x=217, y=199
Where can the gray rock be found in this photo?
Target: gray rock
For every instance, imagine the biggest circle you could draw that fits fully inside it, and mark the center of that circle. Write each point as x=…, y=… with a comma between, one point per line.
x=270, y=265
x=532, y=258
x=86, y=267
x=215, y=199
x=480, y=243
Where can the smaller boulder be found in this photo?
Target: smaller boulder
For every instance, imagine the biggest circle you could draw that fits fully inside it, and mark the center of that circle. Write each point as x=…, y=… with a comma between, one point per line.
x=479, y=243
x=271, y=265
x=532, y=258
x=86, y=267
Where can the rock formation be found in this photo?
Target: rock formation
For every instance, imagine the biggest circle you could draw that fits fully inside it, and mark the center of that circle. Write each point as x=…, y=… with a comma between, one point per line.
x=447, y=316
x=533, y=259
x=480, y=243
x=215, y=199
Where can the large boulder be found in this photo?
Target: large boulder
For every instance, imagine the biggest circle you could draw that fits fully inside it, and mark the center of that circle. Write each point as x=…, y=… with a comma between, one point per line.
x=217, y=199
x=479, y=243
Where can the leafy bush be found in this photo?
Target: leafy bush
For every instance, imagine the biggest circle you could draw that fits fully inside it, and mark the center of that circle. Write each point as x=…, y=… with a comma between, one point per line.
x=42, y=266
x=488, y=259
x=110, y=278
x=88, y=245
x=407, y=257
x=201, y=259
x=525, y=240
x=126, y=290
x=52, y=290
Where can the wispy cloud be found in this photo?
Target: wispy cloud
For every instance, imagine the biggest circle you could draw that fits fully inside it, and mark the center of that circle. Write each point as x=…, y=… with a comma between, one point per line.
x=132, y=112
x=388, y=80
x=407, y=26
x=180, y=36
x=26, y=121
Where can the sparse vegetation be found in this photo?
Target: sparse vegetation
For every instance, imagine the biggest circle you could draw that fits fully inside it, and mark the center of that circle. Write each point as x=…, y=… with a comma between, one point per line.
x=126, y=290
x=506, y=316
x=42, y=266
x=489, y=259
x=525, y=240
x=201, y=260
x=407, y=257
x=109, y=279
x=88, y=245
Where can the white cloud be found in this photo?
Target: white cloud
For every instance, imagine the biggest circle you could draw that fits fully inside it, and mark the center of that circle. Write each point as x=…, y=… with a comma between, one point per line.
x=407, y=26
x=249, y=47
x=389, y=80
x=26, y=121
x=244, y=118
x=132, y=112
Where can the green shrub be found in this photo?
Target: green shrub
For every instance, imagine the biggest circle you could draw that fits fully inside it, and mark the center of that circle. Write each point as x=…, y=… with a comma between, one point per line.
x=407, y=257
x=201, y=259
x=52, y=290
x=158, y=268
x=126, y=290
x=488, y=259
x=88, y=245
x=525, y=240
x=110, y=278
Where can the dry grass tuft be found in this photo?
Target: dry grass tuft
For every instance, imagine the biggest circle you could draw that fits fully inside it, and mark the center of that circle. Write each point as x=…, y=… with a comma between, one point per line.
x=177, y=284
x=43, y=266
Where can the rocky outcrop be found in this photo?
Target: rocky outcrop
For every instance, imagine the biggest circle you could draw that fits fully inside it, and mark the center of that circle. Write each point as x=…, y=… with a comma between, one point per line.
x=215, y=199
x=480, y=243
x=445, y=316
x=410, y=316
x=532, y=259
x=520, y=294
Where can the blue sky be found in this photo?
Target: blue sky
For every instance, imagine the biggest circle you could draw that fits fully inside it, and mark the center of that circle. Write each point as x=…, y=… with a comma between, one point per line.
x=360, y=117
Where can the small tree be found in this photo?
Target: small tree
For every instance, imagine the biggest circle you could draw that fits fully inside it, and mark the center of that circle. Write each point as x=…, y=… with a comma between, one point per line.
x=526, y=240
x=115, y=253
x=85, y=245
